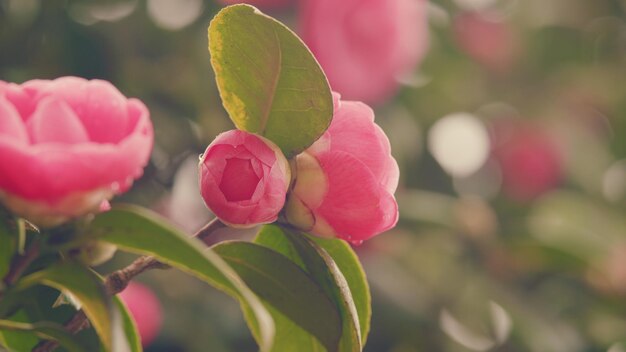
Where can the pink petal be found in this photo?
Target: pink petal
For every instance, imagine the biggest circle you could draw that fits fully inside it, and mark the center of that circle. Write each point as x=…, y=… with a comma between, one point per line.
x=353, y=131
x=52, y=171
x=11, y=125
x=356, y=206
x=54, y=122
x=23, y=99
x=238, y=180
x=102, y=109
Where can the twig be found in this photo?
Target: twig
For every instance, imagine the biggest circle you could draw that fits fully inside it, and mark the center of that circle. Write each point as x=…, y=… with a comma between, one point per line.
x=20, y=263
x=118, y=280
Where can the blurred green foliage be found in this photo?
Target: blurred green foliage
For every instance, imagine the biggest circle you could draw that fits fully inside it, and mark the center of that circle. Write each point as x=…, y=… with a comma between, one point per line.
x=468, y=268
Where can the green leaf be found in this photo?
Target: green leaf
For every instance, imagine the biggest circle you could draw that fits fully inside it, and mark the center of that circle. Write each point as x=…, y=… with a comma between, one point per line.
x=7, y=246
x=335, y=266
x=140, y=231
x=17, y=341
x=268, y=80
x=129, y=325
x=351, y=268
x=44, y=330
x=287, y=288
x=87, y=288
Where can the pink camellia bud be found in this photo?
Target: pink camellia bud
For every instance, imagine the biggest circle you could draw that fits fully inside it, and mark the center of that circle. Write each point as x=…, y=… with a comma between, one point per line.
x=244, y=179
x=529, y=160
x=145, y=309
x=486, y=39
x=264, y=4
x=67, y=145
x=344, y=183
x=365, y=46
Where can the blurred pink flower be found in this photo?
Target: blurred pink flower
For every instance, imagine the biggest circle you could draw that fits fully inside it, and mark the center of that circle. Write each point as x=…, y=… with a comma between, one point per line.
x=263, y=4
x=244, y=178
x=489, y=41
x=364, y=46
x=346, y=180
x=529, y=159
x=145, y=309
x=67, y=145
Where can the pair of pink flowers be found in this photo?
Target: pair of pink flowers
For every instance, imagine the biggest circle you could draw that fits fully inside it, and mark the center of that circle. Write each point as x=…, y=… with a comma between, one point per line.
x=69, y=145
x=342, y=186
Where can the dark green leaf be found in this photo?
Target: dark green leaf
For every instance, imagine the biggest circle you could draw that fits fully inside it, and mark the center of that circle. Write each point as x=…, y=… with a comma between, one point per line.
x=269, y=81
x=87, y=288
x=335, y=266
x=287, y=288
x=44, y=330
x=140, y=231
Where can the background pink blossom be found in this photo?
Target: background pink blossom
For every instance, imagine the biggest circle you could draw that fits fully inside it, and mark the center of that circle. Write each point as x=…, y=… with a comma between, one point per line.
x=364, y=46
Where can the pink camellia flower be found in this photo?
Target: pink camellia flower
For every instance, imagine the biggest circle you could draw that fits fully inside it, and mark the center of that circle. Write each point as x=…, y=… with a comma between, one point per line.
x=264, y=4
x=344, y=182
x=365, y=46
x=244, y=179
x=486, y=39
x=67, y=145
x=145, y=309
x=529, y=159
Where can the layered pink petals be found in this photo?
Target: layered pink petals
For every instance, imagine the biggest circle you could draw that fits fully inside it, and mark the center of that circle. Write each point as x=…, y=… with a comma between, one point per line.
x=364, y=46
x=244, y=178
x=345, y=181
x=68, y=144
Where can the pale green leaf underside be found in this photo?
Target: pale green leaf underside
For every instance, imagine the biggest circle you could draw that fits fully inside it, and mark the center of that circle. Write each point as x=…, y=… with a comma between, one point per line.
x=269, y=81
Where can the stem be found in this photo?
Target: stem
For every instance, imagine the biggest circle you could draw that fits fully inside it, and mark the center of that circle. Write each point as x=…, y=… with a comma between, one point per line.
x=20, y=263
x=118, y=280
x=205, y=233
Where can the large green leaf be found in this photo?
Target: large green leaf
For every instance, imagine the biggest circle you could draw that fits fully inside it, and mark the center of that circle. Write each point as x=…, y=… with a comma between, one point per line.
x=140, y=231
x=350, y=267
x=269, y=81
x=287, y=288
x=44, y=330
x=86, y=287
x=335, y=266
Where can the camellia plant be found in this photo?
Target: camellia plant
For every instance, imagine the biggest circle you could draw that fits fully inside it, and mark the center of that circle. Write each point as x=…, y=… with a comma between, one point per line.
x=315, y=171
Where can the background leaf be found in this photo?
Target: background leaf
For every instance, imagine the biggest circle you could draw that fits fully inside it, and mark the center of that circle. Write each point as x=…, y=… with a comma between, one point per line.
x=140, y=231
x=45, y=330
x=18, y=340
x=287, y=288
x=324, y=267
x=88, y=290
x=269, y=81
